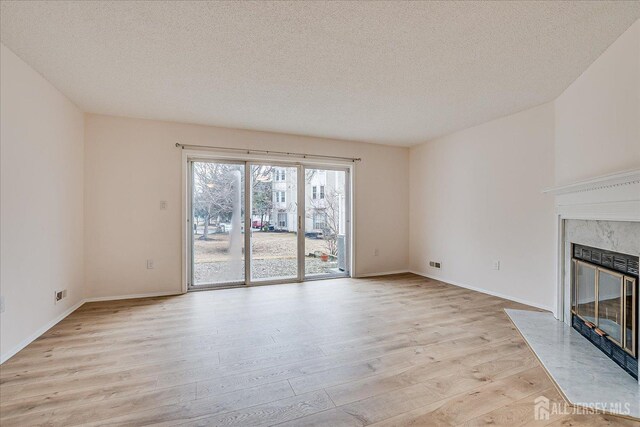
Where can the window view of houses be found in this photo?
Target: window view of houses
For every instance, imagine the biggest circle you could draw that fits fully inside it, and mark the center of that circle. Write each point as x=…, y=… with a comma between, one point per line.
x=325, y=220
x=218, y=223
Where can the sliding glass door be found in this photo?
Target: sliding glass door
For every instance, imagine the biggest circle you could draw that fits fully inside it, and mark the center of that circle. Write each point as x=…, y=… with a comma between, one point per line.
x=274, y=222
x=326, y=226
x=217, y=211
x=256, y=223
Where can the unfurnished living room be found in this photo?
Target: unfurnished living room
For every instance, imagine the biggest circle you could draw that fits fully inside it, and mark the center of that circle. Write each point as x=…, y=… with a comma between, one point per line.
x=320, y=213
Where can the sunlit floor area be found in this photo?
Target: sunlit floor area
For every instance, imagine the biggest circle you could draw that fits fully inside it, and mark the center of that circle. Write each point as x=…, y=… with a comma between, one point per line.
x=395, y=350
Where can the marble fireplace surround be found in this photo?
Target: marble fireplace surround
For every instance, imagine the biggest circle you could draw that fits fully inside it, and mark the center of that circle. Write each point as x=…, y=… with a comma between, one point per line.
x=602, y=212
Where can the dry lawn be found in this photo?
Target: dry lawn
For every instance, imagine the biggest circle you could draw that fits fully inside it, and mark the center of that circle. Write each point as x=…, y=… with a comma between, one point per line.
x=265, y=246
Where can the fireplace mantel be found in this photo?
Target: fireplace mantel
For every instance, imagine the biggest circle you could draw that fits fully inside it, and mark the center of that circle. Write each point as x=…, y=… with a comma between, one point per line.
x=613, y=197
x=604, y=181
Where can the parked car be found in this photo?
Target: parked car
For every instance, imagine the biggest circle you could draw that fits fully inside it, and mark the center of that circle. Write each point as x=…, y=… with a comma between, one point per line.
x=226, y=227
x=314, y=234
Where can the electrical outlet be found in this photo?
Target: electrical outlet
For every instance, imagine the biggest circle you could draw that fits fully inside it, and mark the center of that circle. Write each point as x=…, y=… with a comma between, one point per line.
x=150, y=264
x=496, y=265
x=376, y=252
x=163, y=205
x=1, y=304
x=434, y=264
x=57, y=296
x=437, y=265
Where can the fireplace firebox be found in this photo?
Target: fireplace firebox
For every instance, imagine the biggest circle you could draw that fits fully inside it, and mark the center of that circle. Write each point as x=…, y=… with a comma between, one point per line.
x=605, y=302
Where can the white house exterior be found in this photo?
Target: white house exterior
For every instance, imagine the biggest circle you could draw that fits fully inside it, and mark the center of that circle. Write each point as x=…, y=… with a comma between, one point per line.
x=283, y=213
x=325, y=200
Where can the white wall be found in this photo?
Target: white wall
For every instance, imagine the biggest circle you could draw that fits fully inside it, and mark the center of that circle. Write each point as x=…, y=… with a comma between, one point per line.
x=598, y=115
x=476, y=197
x=133, y=164
x=41, y=203
x=476, y=194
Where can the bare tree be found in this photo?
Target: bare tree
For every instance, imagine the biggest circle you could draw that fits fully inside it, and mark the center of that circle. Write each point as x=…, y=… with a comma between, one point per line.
x=260, y=173
x=262, y=201
x=309, y=174
x=213, y=187
x=212, y=192
x=262, y=191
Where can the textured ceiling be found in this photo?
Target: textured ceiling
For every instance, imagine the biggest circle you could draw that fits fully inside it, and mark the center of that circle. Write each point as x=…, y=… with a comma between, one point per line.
x=392, y=73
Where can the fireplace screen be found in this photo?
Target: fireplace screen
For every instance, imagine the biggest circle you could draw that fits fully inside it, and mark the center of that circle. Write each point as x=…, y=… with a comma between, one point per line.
x=610, y=304
x=585, y=291
x=606, y=301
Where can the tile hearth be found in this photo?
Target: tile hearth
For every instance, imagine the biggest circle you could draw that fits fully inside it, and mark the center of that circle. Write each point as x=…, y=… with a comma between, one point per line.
x=585, y=375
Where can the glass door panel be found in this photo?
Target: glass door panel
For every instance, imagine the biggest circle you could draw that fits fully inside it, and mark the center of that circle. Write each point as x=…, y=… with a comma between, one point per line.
x=217, y=208
x=274, y=222
x=630, y=314
x=325, y=223
x=610, y=304
x=585, y=283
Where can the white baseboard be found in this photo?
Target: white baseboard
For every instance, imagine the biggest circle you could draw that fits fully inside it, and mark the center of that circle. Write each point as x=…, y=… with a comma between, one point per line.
x=484, y=291
x=9, y=354
x=382, y=273
x=133, y=296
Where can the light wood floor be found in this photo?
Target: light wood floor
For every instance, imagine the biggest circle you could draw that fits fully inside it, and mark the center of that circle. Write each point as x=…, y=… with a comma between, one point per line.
x=389, y=351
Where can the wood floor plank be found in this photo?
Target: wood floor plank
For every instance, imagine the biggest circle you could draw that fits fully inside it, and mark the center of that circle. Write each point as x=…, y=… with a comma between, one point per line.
x=194, y=410
x=457, y=409
x=519, y=413
x=393, y=350
x=71, y=415
x=347, y=373
x=29, y=405
x=332, y=417
x=593, y=420
x=270, y=413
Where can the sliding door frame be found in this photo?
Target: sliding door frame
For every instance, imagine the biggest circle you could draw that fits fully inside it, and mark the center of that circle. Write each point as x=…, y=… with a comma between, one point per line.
x=348, y=229
x=191, y=286
x=189, y=156
x=249, y=204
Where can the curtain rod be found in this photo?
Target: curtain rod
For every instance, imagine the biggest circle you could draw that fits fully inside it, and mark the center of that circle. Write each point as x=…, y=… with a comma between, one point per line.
x=279, y=153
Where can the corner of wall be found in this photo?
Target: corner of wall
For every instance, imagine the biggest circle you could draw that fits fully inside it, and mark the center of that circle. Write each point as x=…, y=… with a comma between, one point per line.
x=42, y=125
